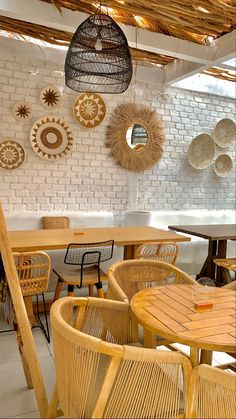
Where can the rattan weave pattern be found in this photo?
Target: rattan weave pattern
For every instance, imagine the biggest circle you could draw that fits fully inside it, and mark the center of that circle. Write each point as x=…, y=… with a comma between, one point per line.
x=50, y=222
x=98, y=59
x=224, y=133
x=201, y=151
x=223, y=165
x=33, y=269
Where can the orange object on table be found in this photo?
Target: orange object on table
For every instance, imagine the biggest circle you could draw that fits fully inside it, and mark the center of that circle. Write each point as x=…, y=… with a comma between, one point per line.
x=203, y=304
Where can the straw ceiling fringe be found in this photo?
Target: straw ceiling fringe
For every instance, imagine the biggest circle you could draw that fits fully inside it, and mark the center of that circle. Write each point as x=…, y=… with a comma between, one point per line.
x=192, y=20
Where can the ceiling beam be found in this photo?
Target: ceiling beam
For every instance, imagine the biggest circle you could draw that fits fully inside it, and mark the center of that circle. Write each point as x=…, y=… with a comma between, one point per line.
x=223, y=49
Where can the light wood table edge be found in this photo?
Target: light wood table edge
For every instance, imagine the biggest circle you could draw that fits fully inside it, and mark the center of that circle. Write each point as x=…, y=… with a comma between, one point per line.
x=185, y=341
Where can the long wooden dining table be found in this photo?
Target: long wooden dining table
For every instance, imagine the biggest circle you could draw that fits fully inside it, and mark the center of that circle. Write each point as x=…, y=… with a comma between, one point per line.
x=129, y=237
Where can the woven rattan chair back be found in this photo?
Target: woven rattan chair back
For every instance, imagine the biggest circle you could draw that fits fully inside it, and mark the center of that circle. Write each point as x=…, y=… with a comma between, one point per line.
x=33, y=270
x=98, y=377
x=166, y=252
x=128, y=277
x=55, y=222
x=211, y=393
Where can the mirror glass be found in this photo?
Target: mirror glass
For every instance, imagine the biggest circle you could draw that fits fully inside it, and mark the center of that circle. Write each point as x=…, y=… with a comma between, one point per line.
x=136, y=136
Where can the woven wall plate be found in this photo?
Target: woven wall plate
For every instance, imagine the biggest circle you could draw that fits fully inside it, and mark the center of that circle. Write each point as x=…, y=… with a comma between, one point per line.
x=224, y=133
x=50, y=97
x=89, y=110
x=22, y=111
x=12, y=154
x=201, y=151
x=51, y=138
x=223, y=165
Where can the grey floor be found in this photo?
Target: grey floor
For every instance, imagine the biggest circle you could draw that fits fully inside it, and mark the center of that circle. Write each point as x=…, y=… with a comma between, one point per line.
x=16, y=400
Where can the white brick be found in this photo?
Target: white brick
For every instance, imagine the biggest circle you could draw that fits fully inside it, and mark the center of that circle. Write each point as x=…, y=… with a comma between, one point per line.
x=89, y=179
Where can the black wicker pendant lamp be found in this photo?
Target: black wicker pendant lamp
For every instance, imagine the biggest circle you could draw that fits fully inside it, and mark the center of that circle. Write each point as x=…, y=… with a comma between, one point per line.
x=98, y=59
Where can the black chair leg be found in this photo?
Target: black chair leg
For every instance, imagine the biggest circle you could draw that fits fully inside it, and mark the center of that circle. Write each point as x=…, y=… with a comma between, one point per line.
x=45, y=331
x=70, y=290
x=100, y=291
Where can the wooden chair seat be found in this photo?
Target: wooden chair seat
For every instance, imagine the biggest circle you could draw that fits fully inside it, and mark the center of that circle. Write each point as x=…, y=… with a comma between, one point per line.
x=227, y=263
x=72, y=275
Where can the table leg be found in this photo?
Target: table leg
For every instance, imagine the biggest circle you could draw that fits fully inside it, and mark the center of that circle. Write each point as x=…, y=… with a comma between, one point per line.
x=149, y=339
x=221, y=278
x=209, y=268
x=194, y=356
x=206, y=357
x=129, y=251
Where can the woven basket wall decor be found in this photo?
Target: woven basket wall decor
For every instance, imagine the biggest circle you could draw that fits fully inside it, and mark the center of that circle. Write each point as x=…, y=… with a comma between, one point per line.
x=51, y=138
x=201, y=151
x=50, y=97
x=223, y=165
x=224, y=133
x=12, y=154
x=89, y=110
x=22, y=111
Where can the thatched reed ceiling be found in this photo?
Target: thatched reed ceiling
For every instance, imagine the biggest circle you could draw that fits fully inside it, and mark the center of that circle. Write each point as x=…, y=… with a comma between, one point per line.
x=193, y=20
x=57, y=37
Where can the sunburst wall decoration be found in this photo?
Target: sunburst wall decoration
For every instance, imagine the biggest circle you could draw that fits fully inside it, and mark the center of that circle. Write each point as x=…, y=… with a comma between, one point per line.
x=50, y=97
x=89, y=110
x=12, y=154
x=51, y=138
x=22, y=111
x=141, y=156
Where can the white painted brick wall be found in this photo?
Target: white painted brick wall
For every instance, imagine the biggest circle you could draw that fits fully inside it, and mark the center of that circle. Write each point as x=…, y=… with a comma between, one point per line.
x=89, y=179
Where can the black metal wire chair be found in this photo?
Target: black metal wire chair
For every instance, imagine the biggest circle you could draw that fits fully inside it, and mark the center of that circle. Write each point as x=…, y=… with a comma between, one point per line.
x=85, y=260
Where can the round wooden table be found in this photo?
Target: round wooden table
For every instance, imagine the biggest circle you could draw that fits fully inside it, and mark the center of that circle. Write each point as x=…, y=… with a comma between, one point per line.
x=168, y=311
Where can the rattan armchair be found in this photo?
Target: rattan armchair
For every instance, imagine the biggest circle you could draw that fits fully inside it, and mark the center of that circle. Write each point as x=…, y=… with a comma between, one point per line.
x=211, y=394
x=99, y=376
x=33, y=269
x=165, y=252
x=126, y=278
x=84, y=269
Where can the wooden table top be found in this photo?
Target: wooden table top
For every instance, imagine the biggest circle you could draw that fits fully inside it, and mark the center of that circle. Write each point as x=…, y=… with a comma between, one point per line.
x=168, y=311
x=29, y=240
x=209, y=231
